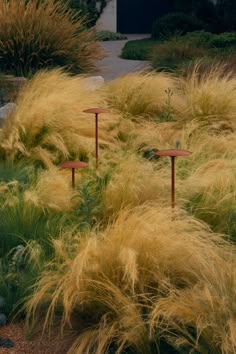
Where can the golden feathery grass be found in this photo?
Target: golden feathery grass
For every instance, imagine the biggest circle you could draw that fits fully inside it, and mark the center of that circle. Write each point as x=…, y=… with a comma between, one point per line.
x=140, y=94
x=52, y=190
x=9, y=194
x=140, y=277
x=209, y=97
x=40, y=42
x=211, y=191
x=122, y=277
x=134, y=182
x=49, y=123
x=207, y=307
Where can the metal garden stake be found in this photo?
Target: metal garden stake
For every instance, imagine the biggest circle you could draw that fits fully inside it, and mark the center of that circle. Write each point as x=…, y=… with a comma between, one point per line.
x=173, y=153
x=96, y=111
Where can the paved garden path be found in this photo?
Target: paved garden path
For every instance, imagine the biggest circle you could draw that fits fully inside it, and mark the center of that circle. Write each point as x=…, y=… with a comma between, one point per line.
x=112, y=66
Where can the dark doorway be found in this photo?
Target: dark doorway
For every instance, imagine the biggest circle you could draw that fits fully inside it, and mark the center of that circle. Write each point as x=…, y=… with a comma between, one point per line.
x=137, y=16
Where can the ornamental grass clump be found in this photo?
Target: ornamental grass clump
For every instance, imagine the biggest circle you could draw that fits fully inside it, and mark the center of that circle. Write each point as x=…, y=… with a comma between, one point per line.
x=210, y=97
x=39, y=34
x=142, y=95
x=117, y=289
x=213, y=197
x=52, y=190
x=49, y=124
x=143, y=183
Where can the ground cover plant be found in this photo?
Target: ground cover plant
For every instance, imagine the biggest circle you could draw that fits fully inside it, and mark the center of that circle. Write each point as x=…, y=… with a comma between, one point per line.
x=110, y=36
x=138, y=49
x=107, y=262
x=38, y=40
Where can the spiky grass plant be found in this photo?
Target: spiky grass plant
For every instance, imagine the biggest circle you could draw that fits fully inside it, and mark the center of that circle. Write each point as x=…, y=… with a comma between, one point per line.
x=206, y=179
x=49, y=124
x=19, y=269
x=24, y=218
x=140, y=94
x=52, y=189
x=39, y=34
x=134, y=181
x=10, y=171
x=213, y=196
x=210, y=97
x=116, y=285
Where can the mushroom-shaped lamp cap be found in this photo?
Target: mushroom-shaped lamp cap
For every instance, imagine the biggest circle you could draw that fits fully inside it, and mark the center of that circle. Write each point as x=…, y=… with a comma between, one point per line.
x=96, y=110
x=173, y=152
x=73, y=164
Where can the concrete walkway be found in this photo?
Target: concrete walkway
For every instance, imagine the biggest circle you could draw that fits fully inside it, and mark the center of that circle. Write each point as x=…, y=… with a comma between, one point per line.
x=112, y=66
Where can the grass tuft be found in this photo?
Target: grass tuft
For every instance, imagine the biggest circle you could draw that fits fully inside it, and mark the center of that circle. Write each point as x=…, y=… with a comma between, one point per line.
x=30, y=38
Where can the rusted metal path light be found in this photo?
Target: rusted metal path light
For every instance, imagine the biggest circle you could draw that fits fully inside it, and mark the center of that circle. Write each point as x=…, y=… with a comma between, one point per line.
x=73, y=165
x=173, y=153
x=96, y=111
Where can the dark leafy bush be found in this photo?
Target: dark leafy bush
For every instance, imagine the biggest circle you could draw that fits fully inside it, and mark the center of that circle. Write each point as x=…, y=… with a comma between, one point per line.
x=199, y=38
x=36, y=35
x=138, y=49
x=173, y=23
x=223, y=40
x=205, y=10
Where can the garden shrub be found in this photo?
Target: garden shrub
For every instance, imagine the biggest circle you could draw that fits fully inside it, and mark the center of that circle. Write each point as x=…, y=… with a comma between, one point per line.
x=173, y=23
x=198, y=38
x=204, y=10
x=212, y=40
x=139, y=49
x=110, y=36
x=223, y=40
x=38, y=40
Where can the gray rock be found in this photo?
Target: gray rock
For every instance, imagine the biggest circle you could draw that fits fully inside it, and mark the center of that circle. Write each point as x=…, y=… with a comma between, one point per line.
x=6, y=343
x=93, y=83
x=6, y=110
x=3, y=319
